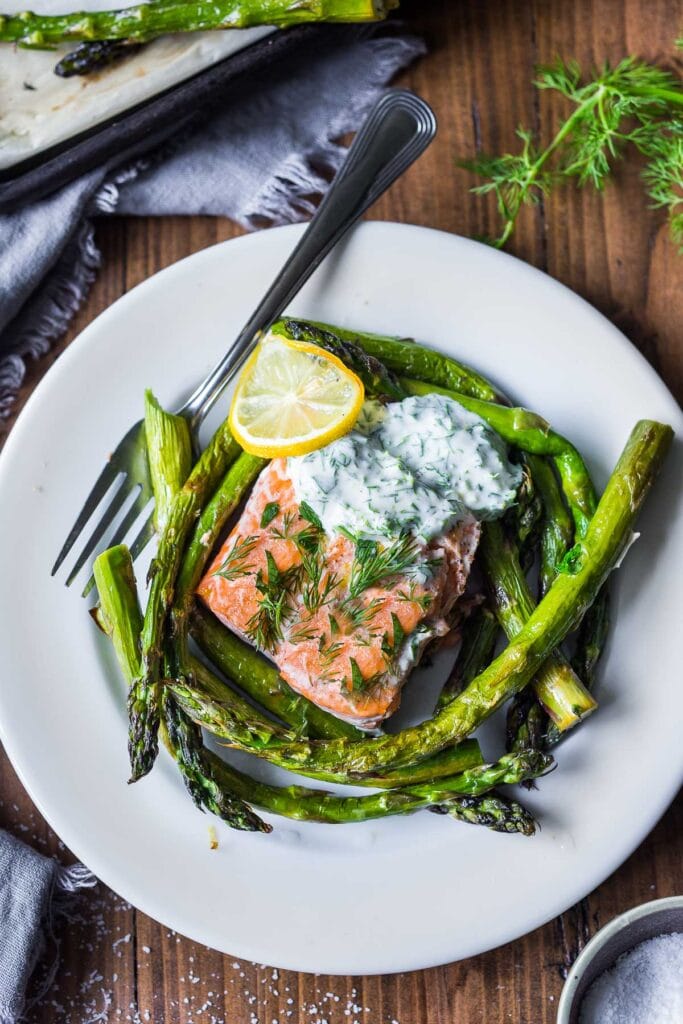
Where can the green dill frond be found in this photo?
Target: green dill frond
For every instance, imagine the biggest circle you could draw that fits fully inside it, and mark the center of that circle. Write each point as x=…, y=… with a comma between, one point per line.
x=236, y=562
x=275, y=604
x=632, y=104
x=375, y=563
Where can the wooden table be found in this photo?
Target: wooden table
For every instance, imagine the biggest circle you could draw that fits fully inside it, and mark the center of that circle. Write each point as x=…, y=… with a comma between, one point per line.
x=616, y=253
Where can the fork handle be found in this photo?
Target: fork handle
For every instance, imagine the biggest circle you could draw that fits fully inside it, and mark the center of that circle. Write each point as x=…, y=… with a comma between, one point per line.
x=399, y=128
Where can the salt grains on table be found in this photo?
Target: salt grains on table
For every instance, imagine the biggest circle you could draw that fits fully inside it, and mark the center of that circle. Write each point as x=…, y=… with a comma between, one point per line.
x=645, y=986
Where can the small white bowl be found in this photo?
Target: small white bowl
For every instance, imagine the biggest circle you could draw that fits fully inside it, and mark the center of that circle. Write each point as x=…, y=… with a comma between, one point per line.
x=660, y=917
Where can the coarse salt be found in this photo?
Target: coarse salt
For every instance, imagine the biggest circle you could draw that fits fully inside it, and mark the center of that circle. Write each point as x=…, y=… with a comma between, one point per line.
x=645, y=986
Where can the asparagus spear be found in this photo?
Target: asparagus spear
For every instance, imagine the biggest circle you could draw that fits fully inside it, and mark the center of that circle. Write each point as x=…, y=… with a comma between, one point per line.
x=315, y=805
x=404, y=357
x=557, y=531
x=558, y=688
x=555, y=616
x=143, y=699
x=590, y=643
x=528, y=513
x=479, y=634
x=169, y=450
x=147, y=20
x=202, y=707
x=90, y=57
x=121, y=618
x=217, y=787
x=492, y=810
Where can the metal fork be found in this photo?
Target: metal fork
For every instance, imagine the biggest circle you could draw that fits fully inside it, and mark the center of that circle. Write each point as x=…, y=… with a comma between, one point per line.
x=399, y=128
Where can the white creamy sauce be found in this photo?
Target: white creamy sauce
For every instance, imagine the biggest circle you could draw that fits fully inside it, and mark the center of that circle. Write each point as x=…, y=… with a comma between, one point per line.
x=419, y=465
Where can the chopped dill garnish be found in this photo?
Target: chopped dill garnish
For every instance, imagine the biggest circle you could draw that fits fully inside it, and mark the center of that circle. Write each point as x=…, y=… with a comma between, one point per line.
x=375, y=563
x=358, y=615
x=304, y=631
x=357, y=681
x=316, y=596
x=307, y=513
x=264, y=628
x=269, y=513
x=391, y=648
x=235, y=563
x=409, y=595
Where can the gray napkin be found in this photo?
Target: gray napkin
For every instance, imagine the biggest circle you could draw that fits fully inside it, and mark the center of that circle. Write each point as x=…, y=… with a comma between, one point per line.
x=33, y=891
x=259, y=160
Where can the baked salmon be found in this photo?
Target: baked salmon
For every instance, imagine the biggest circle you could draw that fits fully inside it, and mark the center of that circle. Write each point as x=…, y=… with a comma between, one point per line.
x=344, y=620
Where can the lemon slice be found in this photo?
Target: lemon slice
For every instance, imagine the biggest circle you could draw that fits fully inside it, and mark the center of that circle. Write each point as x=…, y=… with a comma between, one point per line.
x=292, y=398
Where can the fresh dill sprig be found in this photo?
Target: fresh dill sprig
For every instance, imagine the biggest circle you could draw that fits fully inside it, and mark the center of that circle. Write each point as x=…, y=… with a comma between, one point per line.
x=634, y=104
x=316, y=594
x=375, y=563
x=265, y=627
x=358, y=615
x=235, y=563
x=309, y=542
x=410, y=596
x=303, y=632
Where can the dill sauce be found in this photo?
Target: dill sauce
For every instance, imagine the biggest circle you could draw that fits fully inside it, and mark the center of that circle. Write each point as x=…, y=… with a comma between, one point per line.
x=419, y=465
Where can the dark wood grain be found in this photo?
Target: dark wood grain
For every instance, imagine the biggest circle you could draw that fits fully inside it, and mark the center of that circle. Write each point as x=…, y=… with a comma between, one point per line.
x=612, y=250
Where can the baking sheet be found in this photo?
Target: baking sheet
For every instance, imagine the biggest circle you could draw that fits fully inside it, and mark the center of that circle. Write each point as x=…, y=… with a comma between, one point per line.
x=131, y=132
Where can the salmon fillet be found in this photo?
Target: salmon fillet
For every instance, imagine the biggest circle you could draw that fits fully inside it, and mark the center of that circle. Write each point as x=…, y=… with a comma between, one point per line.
x=299, y=596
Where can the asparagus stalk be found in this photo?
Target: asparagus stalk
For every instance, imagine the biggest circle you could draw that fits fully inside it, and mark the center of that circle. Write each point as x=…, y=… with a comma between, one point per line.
x=226, y=499
x=590, y=643
x=492, y=810
x=479, y=634
x=305, y=804
x=205, y=710
x=143, y=699
x=147, y=20
x=557, y=530
x=169, y=451
x=121, y=618
x=557, y=687
x=404, y=357
x=528, y=514
x=556, y=615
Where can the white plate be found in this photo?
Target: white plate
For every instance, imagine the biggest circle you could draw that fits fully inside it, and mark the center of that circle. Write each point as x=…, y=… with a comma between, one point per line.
x=384, y=896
